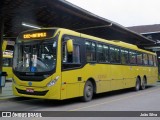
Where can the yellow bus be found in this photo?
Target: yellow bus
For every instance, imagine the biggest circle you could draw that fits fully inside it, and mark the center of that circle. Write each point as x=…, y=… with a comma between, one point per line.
x=7, y=66
x=56, y=63
x=7, y=61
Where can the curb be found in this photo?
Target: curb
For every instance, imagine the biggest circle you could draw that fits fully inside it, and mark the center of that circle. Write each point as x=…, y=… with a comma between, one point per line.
x=7, y=98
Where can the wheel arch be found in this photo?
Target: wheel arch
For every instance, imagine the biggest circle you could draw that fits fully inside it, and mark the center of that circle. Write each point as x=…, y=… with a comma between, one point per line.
x=139, y=77
x=94, y=84
x=145, y=78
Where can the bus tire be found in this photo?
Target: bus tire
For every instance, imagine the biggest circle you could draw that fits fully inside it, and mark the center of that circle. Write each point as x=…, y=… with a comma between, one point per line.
x=138, y=84
x=88, y=92
x=144, y=83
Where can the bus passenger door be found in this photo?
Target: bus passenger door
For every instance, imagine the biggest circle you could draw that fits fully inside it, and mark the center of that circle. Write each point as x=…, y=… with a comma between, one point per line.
x=71, y=64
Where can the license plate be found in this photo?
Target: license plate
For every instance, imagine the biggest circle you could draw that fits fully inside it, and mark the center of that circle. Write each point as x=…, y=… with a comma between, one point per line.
x=29, y=90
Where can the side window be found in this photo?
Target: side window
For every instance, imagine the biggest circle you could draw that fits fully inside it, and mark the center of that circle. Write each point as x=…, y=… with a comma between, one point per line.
x=102, y=51
x=145, y=59
x=150, y=60
x=139, y=58
x=90, y=51
x=76, y=53
x=114, y=55
x=73, y=57
x=106, y=53
x=124, y=56
x=155, y=60
x=64, y=53
x=132, y=57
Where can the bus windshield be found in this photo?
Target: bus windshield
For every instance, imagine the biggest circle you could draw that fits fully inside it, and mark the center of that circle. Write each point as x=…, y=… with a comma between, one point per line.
x=35, y=56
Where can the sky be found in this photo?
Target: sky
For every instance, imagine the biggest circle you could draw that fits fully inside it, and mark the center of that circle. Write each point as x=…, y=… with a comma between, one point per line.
x=124, y=12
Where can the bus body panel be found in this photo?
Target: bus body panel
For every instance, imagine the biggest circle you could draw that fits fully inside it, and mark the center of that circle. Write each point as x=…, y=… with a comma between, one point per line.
x=9, y=72
x=53, y=92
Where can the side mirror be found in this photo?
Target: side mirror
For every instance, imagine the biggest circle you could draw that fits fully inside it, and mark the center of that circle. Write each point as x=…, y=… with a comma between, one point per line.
x=70, y=46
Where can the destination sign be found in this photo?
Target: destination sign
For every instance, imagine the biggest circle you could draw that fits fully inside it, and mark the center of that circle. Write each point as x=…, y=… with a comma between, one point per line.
x=35, y=35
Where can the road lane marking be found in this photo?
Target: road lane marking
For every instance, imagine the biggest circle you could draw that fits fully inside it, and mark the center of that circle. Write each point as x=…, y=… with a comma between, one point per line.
x=114, y=100
x=108, y=101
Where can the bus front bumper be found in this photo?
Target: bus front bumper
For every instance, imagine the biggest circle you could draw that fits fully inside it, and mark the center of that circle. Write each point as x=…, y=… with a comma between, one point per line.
x=36, y=92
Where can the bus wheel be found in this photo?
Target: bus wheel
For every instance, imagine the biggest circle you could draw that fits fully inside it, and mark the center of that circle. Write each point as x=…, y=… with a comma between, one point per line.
x=143, y=86
x=138, y=84
x=88, y=91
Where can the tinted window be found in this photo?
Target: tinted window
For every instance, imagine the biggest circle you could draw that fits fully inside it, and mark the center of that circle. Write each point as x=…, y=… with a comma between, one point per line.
x=132, y=57
x=106, y=53
x=155, y=60
x=145, y=59
x=102, y=51
x=150, y=60
x=139, y=58
x=114, y=55
x=64, y=53
x=73, y=57
x=76, y=54
x=124, y=56
x=90, y=51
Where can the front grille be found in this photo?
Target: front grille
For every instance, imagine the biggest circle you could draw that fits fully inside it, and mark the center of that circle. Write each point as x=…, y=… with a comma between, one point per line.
x=39, y=93
x=31, y=78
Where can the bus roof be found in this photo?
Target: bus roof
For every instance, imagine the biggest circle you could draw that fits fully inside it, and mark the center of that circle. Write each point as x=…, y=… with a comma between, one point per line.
x=112, y=42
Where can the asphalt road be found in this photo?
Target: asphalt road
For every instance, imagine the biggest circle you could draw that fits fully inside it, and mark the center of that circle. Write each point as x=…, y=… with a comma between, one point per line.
x=123, y=100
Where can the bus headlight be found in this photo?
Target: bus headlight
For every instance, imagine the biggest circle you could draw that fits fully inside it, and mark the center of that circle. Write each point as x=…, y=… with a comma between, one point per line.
x=52, y=82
